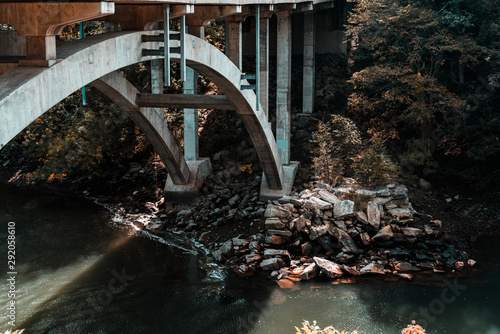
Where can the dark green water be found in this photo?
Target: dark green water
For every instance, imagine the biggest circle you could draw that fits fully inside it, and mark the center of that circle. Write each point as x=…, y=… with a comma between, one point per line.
x=76, y=274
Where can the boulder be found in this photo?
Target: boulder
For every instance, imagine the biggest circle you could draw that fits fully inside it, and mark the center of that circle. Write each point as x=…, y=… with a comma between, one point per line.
x=329, y=268
x=410, y=232
x=318, y=231
x=373, y=214
x=328, y=197
x=372, y=268
x=401, y=213
x=316, y=203
x=272, y=264
x=283, y=254
x=237, y=242
x=309, y=272
x=227, y=248
x=344, y=209
x=344, y=240
x=403, y=266
x=384, y=234
x=285, y=283
x=251, y=258
x=361, y=217
x=351, y=270
x=306, y=248
x=274, y=224
x=276, y=211
x=300, y=223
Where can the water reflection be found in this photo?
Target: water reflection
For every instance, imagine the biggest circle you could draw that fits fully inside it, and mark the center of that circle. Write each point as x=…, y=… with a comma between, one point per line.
x=78, y=276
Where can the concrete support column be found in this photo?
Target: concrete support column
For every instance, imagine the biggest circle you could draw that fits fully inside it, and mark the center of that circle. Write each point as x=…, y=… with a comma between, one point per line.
x=191, y=145
x=234, y=42
x=40, y=47
x=264, y=64
x=157, y=80
x=309, y=66
x=283, y=85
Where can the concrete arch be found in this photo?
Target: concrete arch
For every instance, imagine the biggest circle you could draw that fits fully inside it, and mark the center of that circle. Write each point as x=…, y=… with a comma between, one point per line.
x=27, y=92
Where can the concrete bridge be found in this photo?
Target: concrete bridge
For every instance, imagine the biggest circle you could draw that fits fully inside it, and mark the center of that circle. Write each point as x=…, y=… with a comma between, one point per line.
x=36, y=73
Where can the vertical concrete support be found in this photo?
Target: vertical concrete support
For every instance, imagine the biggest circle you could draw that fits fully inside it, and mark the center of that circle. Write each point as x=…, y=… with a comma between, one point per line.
x=264, y=64
x=283, y=85
x=234, y=42
x=191, y=145
x=309, y=66
x=40, y=47
x=157, y=81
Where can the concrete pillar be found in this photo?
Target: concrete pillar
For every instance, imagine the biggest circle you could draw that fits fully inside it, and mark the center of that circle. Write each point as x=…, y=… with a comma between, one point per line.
x=40, y=47
x=191, y=146
x=234, y=42
x=264, y=64
x=157, y=80
x=283, y=85
x=309, y=66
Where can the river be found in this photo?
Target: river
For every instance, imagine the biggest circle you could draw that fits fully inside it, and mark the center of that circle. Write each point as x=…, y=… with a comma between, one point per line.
x=78, y=274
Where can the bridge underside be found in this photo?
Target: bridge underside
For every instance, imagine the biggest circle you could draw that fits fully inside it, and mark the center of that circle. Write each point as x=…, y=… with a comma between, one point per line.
x=39, y=75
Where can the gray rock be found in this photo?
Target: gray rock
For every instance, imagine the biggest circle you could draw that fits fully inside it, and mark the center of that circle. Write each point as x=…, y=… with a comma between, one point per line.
x=276, y=211
x=309, y=272
x=401, y=213
x=300, y=223
x=410, y=232
x=341, y=224
x=373, y=214
x=329, y=268
x=382, y=200
x=365, y=192
x=384, y=234
x=232, y=201
x=272, y=264
x=424, y=184
x=328, y=197
x=351, y=270
x=315, y=202
x=284, y=233
x=251, y=258
x=283, y=254
x=306, y=248
x=372, y=268
x=226, y=248
x=361, y=217
x=399, y=191
x=237, y=242
x=344, y=240
x=344, y=209
x=318, y=231
x=383, y=191
x=274, y=224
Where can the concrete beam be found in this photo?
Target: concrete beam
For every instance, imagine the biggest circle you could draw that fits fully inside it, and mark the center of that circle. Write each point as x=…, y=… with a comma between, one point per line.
x=123, y=93
x=206, y=13
x=284, y=85
x=48, y=19
x=182, y=101
x=144, y=17
x=308, y=64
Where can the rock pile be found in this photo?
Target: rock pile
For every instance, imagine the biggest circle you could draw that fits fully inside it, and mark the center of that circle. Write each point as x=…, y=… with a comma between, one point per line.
x=337, y=232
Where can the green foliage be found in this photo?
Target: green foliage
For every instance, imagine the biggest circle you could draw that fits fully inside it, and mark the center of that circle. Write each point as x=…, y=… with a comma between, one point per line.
x=394, y=103
x=71, y=138
x=374, y=166
x=334, y=145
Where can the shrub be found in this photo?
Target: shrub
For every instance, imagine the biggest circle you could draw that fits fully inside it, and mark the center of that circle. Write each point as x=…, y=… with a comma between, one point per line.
x=374, y=166
x=334, y=145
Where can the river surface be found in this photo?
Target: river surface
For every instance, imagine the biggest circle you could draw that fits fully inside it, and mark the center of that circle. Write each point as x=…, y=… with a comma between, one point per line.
x=77, y=274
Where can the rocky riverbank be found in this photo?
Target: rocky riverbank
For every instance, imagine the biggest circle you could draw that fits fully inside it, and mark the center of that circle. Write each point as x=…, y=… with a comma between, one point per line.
x=336, y=233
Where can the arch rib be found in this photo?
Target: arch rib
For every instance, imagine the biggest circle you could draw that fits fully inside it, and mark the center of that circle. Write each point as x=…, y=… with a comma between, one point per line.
x=26, y=93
